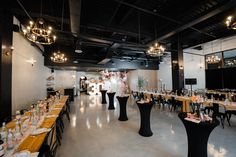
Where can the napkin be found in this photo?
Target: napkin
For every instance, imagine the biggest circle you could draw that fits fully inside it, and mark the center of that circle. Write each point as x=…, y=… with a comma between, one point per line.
x=40, y=131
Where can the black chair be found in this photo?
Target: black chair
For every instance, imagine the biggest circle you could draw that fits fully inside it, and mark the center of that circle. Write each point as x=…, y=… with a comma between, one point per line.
x=208, y=95
x=219, y=111
x=141, y=95
x=233, y=98
x=216, y=96
x=22, y=111
x=135, y=95
x=229, y=113
x=154, y=100
x=50, y=145
x=222, y=97
x=195, y=107
x=175, y=104
x=161, y=101
x=66, y=110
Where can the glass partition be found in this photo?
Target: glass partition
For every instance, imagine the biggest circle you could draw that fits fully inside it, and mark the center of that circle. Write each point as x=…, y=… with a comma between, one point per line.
x=230, y=58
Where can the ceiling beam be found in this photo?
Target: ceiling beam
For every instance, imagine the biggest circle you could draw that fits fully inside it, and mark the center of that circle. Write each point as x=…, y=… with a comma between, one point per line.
x=128, y=13
x=114, y=14
x=38, y=15
x=75, y=9
x=112, y=29
x=159, y=15
x=95, y=39
x=196, y=21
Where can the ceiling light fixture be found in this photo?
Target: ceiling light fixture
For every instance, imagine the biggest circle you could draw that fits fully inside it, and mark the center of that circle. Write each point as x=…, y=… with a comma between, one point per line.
x=213, y=59
x=39, y=32
x=230, y=23
x=58, y=57
x=156, y=50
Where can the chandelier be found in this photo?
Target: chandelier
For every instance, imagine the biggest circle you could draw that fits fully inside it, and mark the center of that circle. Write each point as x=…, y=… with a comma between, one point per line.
x=230, y=23
x=213, y=59
x=58, y=57
x=39, y=33
x=156, y=50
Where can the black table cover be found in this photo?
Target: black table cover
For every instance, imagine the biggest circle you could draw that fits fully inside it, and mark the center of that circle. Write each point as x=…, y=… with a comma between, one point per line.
x=122, y=101
x=198, y=134
x=111, y=100
x=145, y=111
x=103, y=96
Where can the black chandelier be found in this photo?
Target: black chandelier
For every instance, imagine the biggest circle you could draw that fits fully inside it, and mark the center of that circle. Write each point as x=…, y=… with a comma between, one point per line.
x=58, y=57
x=156, y=50
x=39, y=32
x=230, y=23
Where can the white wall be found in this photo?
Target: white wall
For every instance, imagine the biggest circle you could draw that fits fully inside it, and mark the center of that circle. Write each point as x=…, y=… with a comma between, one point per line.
x=150, y=76
x=28, y=82
x=216, y=46
x=192, y=64
x=194, y=68
x=65, y=78
x=165, y=74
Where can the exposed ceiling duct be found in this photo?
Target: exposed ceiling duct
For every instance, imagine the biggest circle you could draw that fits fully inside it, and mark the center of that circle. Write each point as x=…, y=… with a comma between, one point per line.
x=75, y=12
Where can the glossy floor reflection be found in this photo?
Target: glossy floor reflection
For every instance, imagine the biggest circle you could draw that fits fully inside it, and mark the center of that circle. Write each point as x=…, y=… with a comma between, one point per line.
x=94, y=131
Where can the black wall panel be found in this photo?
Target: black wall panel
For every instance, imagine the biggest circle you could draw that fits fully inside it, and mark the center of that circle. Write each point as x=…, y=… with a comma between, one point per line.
x=221, y=78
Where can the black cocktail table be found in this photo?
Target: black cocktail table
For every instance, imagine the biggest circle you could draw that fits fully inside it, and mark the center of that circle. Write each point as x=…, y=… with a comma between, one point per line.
x=198, y=134
x=122, y=101
x=145, y=110
x=111, y=100
x=103, y=96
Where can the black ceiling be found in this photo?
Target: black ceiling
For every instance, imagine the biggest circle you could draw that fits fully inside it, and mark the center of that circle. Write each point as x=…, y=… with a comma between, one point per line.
x=123, y=29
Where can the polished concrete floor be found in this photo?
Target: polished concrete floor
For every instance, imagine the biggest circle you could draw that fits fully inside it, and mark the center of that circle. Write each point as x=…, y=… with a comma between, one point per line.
x=95, y=131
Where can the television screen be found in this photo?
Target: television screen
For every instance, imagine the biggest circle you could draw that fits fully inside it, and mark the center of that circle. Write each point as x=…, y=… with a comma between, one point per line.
x=190, y=81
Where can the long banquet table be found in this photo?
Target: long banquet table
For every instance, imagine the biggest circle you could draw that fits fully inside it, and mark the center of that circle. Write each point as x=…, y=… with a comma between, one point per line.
x=33, y=143
x=187, y=100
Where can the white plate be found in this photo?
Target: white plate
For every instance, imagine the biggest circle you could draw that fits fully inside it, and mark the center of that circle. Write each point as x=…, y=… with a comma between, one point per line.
x=24, y=153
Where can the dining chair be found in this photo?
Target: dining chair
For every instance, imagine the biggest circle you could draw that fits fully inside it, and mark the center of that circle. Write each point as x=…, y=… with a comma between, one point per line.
x=50, y=145
x=154, y=100
x=222, y=97
x=219, y=111
x=229, y=114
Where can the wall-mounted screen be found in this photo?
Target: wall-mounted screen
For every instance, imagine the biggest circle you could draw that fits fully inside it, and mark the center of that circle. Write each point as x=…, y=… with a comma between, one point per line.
x=190, y=81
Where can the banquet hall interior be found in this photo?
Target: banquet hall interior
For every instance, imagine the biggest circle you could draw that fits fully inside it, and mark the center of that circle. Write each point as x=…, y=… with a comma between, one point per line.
x=122, y=78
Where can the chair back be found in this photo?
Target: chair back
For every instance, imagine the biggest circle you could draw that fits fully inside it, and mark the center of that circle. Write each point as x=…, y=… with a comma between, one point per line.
x=222, y=97
x=215, y=110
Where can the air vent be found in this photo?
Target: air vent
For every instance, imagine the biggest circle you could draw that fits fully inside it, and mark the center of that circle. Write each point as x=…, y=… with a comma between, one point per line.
x=198, y=47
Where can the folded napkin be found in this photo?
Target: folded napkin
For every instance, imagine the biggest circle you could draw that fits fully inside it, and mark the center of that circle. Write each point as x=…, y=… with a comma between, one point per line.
x=51, y=116
x=40, y=131
x=192, y=120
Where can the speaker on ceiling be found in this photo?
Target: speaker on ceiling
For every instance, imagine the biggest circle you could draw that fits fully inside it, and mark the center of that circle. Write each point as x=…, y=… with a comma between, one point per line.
x=16, y=28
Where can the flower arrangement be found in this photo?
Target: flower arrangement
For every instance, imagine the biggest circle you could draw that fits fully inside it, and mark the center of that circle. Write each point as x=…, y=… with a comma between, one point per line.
x=141, y=82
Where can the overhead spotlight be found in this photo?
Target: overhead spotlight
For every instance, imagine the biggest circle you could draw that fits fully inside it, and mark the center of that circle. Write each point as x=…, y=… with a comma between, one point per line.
x=78, y=47
x=146, y=63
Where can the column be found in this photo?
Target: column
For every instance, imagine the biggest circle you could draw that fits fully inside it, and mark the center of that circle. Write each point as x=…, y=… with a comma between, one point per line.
x=177, y=64
x=6, y=20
